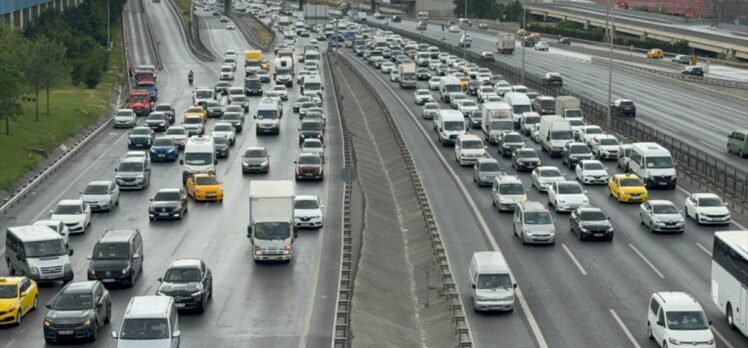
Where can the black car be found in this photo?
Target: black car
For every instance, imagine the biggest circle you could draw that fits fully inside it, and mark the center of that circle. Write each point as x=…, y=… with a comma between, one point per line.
x=473, y=87
x=157, y=121
x=544, y=105
x=168, y=110
x=475, y=119
x=189, y=282
x=574, y=152
x=140, y=137
x=693, y=71
x=77, y=312
x=311, y=129
x=396, y=19
x=510, y=142
x=214, y=108
x=623, y=107
x=169, y=203
x=423, y=74
x=117, y=257
x=235, y=118
x=590, y=223
x=252, y=86
x=525, y=159
x=222, y=147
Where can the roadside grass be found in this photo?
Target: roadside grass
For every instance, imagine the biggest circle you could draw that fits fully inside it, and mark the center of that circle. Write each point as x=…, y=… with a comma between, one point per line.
x=72, y=109
x=265, y=36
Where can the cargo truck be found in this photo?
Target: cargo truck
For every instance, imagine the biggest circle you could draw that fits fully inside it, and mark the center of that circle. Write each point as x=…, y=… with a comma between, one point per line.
x=505, y=43
x=271, y=222
x=497, y=120
x=283, y=71
x=568, y=107
x=407, y=75
x=555, y=131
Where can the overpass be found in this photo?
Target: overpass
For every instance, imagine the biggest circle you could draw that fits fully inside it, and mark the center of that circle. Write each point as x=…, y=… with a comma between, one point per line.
x=732, y=45
x=18, y=13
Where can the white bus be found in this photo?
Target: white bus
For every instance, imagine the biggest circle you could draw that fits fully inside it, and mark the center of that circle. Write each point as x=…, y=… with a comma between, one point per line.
x=422, y=16
x=730, y=277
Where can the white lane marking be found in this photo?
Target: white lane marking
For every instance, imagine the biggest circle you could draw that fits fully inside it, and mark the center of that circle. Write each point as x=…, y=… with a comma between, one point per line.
x=668, y=127
x=704, y=249
x=624, y=328
x=721, y=337
x=10, y=343
x=651, y=265
x=710, y=145
x=534, y=327
x=573, y=258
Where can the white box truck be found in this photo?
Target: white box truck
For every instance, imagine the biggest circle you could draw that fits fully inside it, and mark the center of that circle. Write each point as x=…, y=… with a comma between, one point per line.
x=271, y=222
x=497, y=120
x=407, y=75
x=555, y=131
x=505, y=43
x=283, y=72
x=447, y=86
x=568, y=107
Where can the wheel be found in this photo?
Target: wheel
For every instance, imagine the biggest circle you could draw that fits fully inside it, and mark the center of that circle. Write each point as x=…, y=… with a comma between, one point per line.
x=210, y=294
x=522, y=236
x=108, y=313
x=10, y=268
x=201, y=309
x=740, y=153
x=696, y=217
x=641, y=219
x=664, y=344
x=36, y=303
x=19, y=317
x=95, y=334
x=730, y=319
x=649, y=331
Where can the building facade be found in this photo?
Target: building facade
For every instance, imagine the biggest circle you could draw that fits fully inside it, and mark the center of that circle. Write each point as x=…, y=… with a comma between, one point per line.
x=18, y=13
x=726, y=10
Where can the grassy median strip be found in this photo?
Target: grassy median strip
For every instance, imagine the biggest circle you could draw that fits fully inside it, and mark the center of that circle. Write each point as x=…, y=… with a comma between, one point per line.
x=265, y=36
x=73, y=108
x=184, y=8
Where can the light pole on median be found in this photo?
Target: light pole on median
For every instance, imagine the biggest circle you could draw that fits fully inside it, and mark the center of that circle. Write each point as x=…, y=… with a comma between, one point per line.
x=609, y=26
x=464, y=34
x=524, y=26
x=108, y=26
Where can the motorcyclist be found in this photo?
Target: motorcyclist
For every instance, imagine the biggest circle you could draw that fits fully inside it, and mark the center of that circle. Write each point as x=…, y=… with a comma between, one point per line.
x=442, y=27
x=190, y=76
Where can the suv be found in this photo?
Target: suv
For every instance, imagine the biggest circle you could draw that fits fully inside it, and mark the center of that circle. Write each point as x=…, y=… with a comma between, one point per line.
x=117, y=257
x=532, y=223
x=507, y=191
x=737, y=142
x=623, y=107
x=544, y=105
x=189, y=282
x=140, y=137
x=677, y=317
x=78, y=311
x=311, y=129
x=133, y=173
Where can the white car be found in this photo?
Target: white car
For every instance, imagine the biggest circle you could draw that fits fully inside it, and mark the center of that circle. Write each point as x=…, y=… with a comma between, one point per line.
x=423, y=96
x=125, y=118
x=395, y=75
x=434, y=64
x=468, y=149
x=430, y=110
x=661, y=216
x=493, y=99
x=707, y=208
x=591, y=172
x=454, y=97
x=226, y=130
x=467, y=106
x=230, y=54
x=545, y=176
x=387, y=67
x=484, y=77
x=541, y=46
x=587, y=132
x=485, y=91
x=282, y=91
x=605, y=146
x=308, y=212
x=230, y=26
x=179, y=134
x=676, y=319
x=576, y=124
x=453, y=29
x=74, y=213
x=434, y=83
x=227, y=73
x=507, y=191
x=502, y=88
x=101, y=195
x=313, y=146
x=57, y=226
x=567, y=196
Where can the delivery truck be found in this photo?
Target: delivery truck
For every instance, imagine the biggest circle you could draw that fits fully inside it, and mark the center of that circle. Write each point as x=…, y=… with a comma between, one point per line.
x=505, y=43
x=568, y=107
x=497, y=120
x=271, y=220
x=407, y=75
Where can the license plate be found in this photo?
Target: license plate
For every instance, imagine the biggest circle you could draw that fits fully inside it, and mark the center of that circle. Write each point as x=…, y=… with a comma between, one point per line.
x=598, y=234
x=308, y=174
x=180, y=305
x=161, y=155
x=663, y=183
x=211, y=195
x=107, y=280
x=163, y=214
x=65, y=332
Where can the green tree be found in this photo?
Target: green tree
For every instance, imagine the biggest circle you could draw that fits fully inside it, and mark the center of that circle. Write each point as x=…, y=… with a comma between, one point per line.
x=12, y=53
x=46, y=66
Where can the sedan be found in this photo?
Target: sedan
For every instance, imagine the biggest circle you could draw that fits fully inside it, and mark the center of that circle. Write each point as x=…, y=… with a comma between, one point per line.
x=226, y=130
x=179, y=134
x=591, y=172
x=423, y=96
x=661, y=216
x=567, y=196
x=124, y=118
x=168, y=110
x=299, y=101
x=282, y=91
x=707, y=208
x=627, y=188
x=434, y=83
x=101, y=195
x=590, y=223
x=308, y=212
x=215, y=108
x=187, y=276
x=78, y=311
x=18, y=297
x=168, y=203
x=255, y=159
x=545, y=176
x=74, y=213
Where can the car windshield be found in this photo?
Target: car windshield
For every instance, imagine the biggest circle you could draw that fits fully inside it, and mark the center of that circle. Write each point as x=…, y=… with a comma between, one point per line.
x=182, y=275
x=511, y=189
x=629, y=182
x=579, y=149
x=303, y=99
x=490, y=167
x=502, y=125
x=176, y=131
x=45, y=248
x=206, y=180
x=8, y=291
x=164, y=142
x=560, y=135
x=272, y=230
x=312, y=86
x=125, y=113
x=548, y=104
x=267, y=114
x=513, y=138
x=195, y=110
x=550, y=173
x=144, y=329
x=307, y=160
x=493, y=281
x=609, y=142
x=64, y=209
x=472, y=144
x=691, y=320
x=538, y=218
x=593, y=166
x=710, y=202
x=223, y=128
x=130, y=167
x=198, y=158
x=569, y=189
x=141, y=131
x=593, y=130
x=531, y=120
x=312, y=144
x=138, y=98
x=220, y=140
x=306, y=204
x=73, y=302
x=231, y=116
x=254, y=153
x=529, y=153
x=431, y=106
x=313, y=126
x=96, y=190
x=592, y=216
x=213, y=104
x=204, y=94
x=664, y=209
x=453, y=88
x=659, y=162
x=469, y=103
x=575, y=122
x=111, y=251
x=192, y=120
x=166, y=196
x=454, y=126
x=238, y=99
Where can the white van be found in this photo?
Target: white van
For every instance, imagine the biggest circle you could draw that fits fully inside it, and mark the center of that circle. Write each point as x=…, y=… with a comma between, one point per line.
x=268, y=117
x=150, y=321
x=312, y=83
x=199, y=156
x=653, y=164
x=38, y=252
x=491, y=283
x=447, y=86
x=677, y=317
x=449, y=125
x=203, y=95
x=520, y=103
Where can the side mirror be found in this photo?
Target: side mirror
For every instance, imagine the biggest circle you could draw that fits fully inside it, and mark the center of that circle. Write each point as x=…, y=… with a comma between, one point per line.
x=89, y=257
x=51, y=212
x=710, y=322
x=70, y=252
x=99, y=304
x=48, y=305
x=136, y=256
x=181, y=162
x=160, y=279
x=660, y=323
x=255, y=117
x=114, y=334
x=514, y=286
x=472, y=286
x=215, y=161
x=176, y=333
x=249, y=232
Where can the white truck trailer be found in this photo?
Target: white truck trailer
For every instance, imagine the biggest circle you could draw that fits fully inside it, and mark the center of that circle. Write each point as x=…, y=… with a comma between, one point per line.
x=271, y=219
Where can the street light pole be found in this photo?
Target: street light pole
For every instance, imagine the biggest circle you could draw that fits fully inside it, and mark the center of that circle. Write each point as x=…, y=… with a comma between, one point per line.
x=609, y=26
x=108, y=26
x=464, y=34
x=524, y=26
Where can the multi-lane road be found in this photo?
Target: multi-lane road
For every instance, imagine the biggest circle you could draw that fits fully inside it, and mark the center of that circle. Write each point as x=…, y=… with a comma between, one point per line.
x=578, y=294
x=262, y=305
x=682, y=110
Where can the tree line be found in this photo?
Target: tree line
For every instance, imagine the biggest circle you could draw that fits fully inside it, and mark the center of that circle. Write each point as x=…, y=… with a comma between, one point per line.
x=489, y=9
x=56, y=47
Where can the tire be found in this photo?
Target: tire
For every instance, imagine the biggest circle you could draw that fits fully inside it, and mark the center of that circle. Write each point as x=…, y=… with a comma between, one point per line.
x=108, y=318
x=36, y=303
x=10, y=268
x=19, y=318
x=740, y=153
x=95, y=334
x=649, y=331
x=730, y=317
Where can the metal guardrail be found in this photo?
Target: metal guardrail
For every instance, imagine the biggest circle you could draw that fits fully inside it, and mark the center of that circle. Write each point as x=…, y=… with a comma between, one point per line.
x=153, y=43
x=697, y=165
x=194, y=43
x=682, y=77
x=459, y=320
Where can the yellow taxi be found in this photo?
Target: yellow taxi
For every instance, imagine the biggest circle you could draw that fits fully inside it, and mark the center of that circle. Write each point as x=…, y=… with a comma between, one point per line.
x=627, y=188
x=18, y=296
x=205, y=187
x=196, y=110
x=464, y=82
x=655, y=53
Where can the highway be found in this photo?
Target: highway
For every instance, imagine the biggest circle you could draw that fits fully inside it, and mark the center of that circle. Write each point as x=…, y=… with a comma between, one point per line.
x=580, y=294
x=262, y=305
x=678, y=109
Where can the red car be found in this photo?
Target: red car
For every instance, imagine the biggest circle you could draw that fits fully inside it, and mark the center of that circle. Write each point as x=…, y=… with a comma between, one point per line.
x=309, y=166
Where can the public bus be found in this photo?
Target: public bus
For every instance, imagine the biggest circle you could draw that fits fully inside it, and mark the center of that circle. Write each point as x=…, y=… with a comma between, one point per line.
x=730, y=277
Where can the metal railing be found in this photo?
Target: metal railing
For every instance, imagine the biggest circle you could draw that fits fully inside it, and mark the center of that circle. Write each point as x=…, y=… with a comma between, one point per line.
x=691, y=162
x=683, y=77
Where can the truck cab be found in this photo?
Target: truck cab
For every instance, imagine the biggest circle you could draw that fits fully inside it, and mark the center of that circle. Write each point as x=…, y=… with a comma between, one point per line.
x=140, y=102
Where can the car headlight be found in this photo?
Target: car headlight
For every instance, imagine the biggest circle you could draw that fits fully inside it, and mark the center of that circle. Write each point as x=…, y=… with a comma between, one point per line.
x=197, y=293
x=674, y=341
x=34, y=269
x=710, y=341
x=562, y=201
x=481, y=298
x=126, y=270
x=264, y=164
x=47, y=322
x=287, y=249
x=66, y=268
x=258, y=251
x=87, y=322
x=91, y=272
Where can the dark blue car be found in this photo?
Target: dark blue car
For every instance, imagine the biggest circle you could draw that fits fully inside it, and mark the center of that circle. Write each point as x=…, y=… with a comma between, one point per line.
x=164, y=149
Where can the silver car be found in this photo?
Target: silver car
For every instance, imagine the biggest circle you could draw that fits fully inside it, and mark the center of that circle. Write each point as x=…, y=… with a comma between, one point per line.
x=485, y=171
x=533, y=223
x=545, y=176
x=101, y=195
x=661, y=216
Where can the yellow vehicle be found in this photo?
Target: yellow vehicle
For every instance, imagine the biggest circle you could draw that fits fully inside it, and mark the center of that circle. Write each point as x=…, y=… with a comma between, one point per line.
x=18, y=296
x=655, y=53
x=198, y=111
x=465, y=83
x=205, y=187
x=627, y=188
x=253, y=58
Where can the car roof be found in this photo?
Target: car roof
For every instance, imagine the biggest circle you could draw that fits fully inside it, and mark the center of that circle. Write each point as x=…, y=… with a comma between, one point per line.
x=100, y=182
x=661, y=202
x=306, y=198
x=80, y=287
x=625, y=175
x=705, y=195
x=118, y=236
x=167, y=190
x=10, y=280
x=185, y=263
x=533, y=206
x=69, y=202
x=677, y=300
x=148, y=306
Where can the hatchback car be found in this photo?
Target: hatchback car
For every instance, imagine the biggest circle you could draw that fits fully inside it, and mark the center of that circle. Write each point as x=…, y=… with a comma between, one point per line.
x=189, y=282
x=510, y=142
x=168, y=203
x=627, y=188
x=255, y=159
x=429, y=110
x=309, y=166
x=590, y=223
x=204, y=187
x=101, y=195
x=591, y=172
x=225, y=130
x=485, y=170
x=78, y=312
x=140, y=137
x=423, y=96
x=164, y=149
x=313, y=146
x=525, y=159
x=74, y=213
x=567, y=196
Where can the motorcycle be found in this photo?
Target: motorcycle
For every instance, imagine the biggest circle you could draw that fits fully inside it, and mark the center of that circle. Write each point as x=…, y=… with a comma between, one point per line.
x=190, y=79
